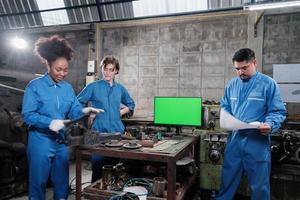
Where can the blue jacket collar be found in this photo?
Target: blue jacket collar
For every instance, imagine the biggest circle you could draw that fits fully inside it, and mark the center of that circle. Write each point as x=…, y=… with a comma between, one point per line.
x=113, y=84
x=254, y=76
x=50, y=81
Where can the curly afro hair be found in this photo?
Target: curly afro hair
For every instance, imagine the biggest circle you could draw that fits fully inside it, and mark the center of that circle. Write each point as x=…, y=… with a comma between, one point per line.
x=53, y=47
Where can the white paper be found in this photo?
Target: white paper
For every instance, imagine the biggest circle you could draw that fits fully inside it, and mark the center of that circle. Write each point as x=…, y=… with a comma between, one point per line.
x=228, y=122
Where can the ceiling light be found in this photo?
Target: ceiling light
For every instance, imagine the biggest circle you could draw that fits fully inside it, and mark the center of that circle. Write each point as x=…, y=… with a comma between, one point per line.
x=272, y=5
x=19, y=43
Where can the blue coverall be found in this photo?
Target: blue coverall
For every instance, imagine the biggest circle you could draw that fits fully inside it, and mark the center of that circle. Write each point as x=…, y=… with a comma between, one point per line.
x=247, y=151
x=44, y=101
x=109, y=98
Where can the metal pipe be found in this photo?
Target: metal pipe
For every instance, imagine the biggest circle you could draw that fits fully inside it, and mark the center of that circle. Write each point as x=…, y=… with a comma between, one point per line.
x=12, y=88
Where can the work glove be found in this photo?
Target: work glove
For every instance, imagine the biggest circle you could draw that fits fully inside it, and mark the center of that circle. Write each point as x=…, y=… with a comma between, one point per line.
x=57, y=124
x=89, y=110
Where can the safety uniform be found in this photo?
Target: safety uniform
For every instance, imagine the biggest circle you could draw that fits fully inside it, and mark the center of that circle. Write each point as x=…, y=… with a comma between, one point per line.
x=109, y=98
x=248, y=151
x=44, y=100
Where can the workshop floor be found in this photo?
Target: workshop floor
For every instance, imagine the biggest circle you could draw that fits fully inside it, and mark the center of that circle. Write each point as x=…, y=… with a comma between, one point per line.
x=86, y=178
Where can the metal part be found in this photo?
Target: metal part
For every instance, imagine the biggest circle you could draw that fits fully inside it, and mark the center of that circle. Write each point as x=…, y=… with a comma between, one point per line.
x=62, y=141
x=214, y=155
x=11, y=88
x=290, y=144
x=75, y=120
x=211, y=116
x=275, y=148
x=297, y=155
x=216, y=145
x=93, y=137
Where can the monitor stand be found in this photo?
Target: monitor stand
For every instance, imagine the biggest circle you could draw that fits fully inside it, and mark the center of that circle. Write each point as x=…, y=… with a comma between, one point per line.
x=178, y=135
x=174, y=135
x=178, y=130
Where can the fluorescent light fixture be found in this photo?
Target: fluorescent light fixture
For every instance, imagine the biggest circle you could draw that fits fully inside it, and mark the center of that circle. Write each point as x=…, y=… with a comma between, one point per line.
x=53, y=17
x=272, y=5
x=161, y=7
x=19, y=43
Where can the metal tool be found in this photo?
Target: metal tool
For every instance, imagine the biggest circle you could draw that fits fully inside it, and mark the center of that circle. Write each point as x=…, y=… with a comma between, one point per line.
x=68, y=124
x=73, y=121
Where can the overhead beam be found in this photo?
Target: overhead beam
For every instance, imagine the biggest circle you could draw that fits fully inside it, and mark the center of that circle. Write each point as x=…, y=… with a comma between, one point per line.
x=97, y=4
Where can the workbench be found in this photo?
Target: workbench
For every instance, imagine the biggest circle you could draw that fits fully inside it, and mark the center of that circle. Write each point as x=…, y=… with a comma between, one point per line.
x=187, y=145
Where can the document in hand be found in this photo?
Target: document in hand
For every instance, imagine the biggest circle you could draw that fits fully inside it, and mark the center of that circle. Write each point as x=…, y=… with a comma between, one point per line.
x=229, y=122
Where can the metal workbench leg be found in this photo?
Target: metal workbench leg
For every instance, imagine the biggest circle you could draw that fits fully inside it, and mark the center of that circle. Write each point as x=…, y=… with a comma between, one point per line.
x=78, y=174
x=171, y=179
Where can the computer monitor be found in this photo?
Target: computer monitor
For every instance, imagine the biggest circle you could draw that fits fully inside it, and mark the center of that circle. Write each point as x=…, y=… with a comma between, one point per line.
x=178, y=111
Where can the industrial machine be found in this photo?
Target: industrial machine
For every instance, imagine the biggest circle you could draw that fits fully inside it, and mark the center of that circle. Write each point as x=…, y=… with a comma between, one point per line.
x=285, y=149
x=13, y=167
x=212, y=144
x=285, y=177
x=211, y=154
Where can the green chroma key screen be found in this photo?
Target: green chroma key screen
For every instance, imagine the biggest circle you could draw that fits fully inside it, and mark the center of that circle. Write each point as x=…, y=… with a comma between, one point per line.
x=178, y=110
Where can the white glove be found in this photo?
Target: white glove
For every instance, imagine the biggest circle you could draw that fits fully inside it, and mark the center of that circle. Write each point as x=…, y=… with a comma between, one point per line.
x=89, y=110
x=57, y=124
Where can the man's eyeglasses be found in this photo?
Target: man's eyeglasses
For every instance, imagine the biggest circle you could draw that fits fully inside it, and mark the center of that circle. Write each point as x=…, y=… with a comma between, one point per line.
x=244, y=68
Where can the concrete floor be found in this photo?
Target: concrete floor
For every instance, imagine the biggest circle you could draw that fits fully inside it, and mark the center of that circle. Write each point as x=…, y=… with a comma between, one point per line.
x=86, y=180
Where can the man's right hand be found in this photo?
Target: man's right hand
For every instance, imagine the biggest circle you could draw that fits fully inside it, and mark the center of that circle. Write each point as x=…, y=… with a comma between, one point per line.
x=264, y=128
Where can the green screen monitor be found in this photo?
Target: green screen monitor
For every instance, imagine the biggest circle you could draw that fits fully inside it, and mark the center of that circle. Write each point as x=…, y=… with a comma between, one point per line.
x=178, y=111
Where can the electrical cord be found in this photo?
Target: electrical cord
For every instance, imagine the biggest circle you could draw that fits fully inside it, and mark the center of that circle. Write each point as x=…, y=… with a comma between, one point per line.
x=125, y=196
x=73, y=189
x=147, y=183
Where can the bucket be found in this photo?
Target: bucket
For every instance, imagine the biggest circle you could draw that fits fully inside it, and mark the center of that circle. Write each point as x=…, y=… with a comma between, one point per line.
x=140, y=191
